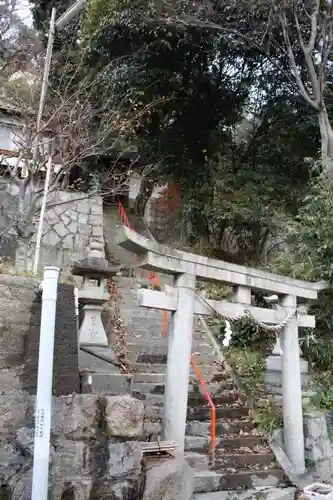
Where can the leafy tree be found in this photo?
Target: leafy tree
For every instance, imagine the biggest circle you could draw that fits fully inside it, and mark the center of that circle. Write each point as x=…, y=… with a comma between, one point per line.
x=187, y=86
x=19, y=44
x=183, y=77
x=293, y=37
x=259, y=186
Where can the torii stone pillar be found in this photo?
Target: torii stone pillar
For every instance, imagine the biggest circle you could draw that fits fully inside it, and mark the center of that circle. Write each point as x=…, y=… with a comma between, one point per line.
x=286, y=361
x=292, y=390
x=178, y=367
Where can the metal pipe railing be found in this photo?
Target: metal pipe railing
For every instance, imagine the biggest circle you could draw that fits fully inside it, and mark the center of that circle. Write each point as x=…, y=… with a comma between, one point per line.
x=40, y=473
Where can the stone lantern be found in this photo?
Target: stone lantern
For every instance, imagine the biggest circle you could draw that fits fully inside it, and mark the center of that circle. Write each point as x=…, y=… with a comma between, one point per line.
x=94, y=270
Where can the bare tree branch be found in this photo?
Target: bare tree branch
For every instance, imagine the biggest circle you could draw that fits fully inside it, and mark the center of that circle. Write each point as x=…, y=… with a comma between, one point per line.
x=303, y=92
x=308, y=51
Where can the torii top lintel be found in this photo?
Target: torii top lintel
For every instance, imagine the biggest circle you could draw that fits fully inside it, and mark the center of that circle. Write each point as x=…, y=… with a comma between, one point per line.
x=156, y=257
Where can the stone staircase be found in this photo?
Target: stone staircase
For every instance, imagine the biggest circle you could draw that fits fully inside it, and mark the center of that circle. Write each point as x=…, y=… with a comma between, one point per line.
x=243, y=460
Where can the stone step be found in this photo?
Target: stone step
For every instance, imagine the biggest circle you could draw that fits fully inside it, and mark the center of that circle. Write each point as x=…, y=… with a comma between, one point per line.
x=205, y=369
x=209, y=481
x=306, y=398
x=278, y=391
x=223, y=397
x=193, y=400
x=201, y=444
x=197, y=461
x=142, y=352
x=204, y=413
x=149, y=367
x=149, y=329
x=148, y=388
x=200, y=461
x=201, y=414
x=146, y=376
x=275, y=379
x=90, y=363
x=144, y=383
x=264, y=493
x=229, y=427
x=105, y=383
x=216, y=495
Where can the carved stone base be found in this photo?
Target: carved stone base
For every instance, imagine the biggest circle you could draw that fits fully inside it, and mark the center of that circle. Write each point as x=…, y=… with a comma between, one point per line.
x=92, y=330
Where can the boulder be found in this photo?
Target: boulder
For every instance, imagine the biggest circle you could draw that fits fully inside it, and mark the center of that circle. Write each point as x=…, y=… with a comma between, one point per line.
x=170, y=479
x=124, y=416
x=124, y=477
x=21, y=485
x=75, y=416
x=25, y=443
x=130, y=488
x=124, y=459
x=71, y=490
x=10, y=464
x=72, y=459
x=25, y=440
x=13, y=407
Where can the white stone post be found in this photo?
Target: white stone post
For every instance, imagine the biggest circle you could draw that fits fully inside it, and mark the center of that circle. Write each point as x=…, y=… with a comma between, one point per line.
x=292, y=390
x=178, y=366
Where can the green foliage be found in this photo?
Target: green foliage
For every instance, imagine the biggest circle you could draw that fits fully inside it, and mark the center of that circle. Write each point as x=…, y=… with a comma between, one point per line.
x=323, y=386
x=309, y=256
x=176, y=83
x=217, y=291
x=249, y=203
x=309, y=253
x=247, y=334
x=250, y=367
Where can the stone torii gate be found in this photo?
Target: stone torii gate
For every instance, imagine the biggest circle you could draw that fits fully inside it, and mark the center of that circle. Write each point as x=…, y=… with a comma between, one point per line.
x=184, y=303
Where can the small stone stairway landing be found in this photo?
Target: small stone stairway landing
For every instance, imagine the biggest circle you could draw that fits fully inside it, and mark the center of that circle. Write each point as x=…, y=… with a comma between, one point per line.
x=243, y=460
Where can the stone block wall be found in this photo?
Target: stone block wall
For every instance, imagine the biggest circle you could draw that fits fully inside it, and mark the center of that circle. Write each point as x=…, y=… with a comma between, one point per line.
x=94, y=452
x=318, y=447
x=20, y=308
x=71, y=220
x=65, y=364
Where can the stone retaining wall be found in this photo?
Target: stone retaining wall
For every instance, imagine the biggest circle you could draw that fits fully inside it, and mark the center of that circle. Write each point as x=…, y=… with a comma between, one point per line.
x=318, y=447
x=71, y=220
x=20, y=312
x=94, y=450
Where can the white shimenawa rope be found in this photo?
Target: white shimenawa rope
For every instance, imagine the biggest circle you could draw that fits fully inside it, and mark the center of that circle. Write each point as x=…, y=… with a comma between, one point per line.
x=247, y=313
x=271, y=328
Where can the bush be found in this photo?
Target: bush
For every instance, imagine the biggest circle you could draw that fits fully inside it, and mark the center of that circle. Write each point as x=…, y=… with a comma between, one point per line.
x=250, y=367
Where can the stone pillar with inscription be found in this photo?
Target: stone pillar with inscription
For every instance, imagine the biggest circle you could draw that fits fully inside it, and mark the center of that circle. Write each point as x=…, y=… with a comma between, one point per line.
x=94, y=270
